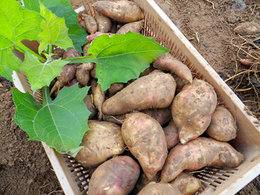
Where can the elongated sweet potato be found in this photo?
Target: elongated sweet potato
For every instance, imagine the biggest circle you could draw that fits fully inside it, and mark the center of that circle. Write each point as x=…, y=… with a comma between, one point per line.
x=103, y=23
x=102, y=141
x=187, y=184
x=120, y=11
x=115, y=176
x=192, y=109
x=145, y=139
x=134, y=27
x=223, y=126
x=155, y=90
x=169, y=63
x=171, y=134
x=99, y=98
x=90, y=105
x=197, y=154
x=90, y=23
x=159, y=189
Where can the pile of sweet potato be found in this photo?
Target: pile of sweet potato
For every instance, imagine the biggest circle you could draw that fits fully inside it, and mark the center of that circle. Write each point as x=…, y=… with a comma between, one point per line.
x=145, y=135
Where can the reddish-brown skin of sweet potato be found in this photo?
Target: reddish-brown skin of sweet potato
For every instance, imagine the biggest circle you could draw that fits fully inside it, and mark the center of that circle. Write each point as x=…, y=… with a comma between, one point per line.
x=90, y=105
x=155, y=90
x=171, y=134
x=187, y=184
x=102, y=141
x=82, y=73
x=159, y=189
x=120, y=11
x=197, y=154
x=134, y=27
x=115, y=176
x=145, y=139
x=169, y=63
x=223, y=125
x=99, y=98
x=192, y=109
x=115, y=87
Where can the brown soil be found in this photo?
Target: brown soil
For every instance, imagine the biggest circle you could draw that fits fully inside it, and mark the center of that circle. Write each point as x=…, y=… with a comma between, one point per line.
x=24, y=167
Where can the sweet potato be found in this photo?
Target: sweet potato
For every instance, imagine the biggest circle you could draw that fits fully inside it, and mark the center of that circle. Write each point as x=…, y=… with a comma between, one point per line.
x=187, y=184
x=162, y=115
x=85, y=48
x=90, y=23
x=115, y=176
x=71, y=53
x=145, y=139
x=82, y=73
x=169, y=63
x=159, y=189
x=68, y=73
x=90, y=38
x=93, y=71
x=115, y=87
x=90, y=105
x=223, y=126
x=134, y=27
x=120, y=11
x=102, y=141
x=171, y=134
x=99, y=98
x=103, y=23
x=192, y=109
x=197, y=154
x=155, y=90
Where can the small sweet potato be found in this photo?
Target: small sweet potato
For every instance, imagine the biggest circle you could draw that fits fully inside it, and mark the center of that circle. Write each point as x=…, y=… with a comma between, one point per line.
x=197, y=154
x=85, y=48
x=169, y=63
x=120, y=11
x=159, y=189
x=192, y=109
x=102, y=141
x=90, y=23
x=90, y=105
x=171, y=134
x=103, y=23
x=223, y=126
x=187, y=184
x=115, y=176
x=67, y=74
x=134, y=27
x=155, y=90
x=145, y=139
x=82, y=73
x=115, y=87
x=71, y=53
x=93, y=71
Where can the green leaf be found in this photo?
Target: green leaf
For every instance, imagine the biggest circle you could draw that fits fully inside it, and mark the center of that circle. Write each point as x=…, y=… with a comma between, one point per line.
x=122, y=57
x=60, y=123
x=63, y=9
x=54, y=31
x=41, y=74
x=17, y=24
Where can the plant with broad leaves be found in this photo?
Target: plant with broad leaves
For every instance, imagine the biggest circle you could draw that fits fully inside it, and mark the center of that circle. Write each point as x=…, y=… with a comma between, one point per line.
x=53, y=23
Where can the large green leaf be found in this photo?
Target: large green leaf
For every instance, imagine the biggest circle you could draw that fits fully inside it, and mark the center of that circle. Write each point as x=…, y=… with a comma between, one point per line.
x=54, y=31
x=17, y=24
x=60, y=123
x=63, y=9
x=41, y=74
x=122, y=57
